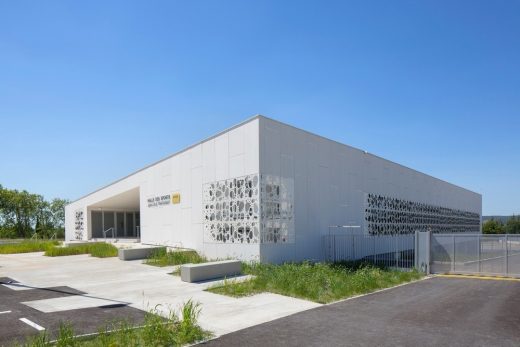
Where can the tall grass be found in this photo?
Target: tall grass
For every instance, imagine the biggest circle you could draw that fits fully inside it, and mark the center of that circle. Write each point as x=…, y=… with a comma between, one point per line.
x=27, y=246
x=65, y=336
x=155, y=331
x=162, y=257
x=319, y=282
x=95, y=249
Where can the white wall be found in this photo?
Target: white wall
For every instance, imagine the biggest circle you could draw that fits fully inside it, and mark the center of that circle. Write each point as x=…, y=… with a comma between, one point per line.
x=230, y=154
x=330, y=180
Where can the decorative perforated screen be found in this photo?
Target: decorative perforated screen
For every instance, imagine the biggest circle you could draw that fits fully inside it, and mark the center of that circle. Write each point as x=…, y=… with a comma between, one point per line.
x=78, y=225
x=388, y=216
x=249, y=209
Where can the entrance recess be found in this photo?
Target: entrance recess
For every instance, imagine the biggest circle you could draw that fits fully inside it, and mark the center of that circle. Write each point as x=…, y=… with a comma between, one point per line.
x=116, y=217
x=124, y=224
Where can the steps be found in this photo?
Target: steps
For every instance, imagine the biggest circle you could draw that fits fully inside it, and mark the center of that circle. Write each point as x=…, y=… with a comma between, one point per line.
x=116, y=240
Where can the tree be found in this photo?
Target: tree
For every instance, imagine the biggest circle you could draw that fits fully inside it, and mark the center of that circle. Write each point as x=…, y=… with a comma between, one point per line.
x=22, y=214
x=57, y=209
x=513, y=225
x=493, y=226
x=7, y=217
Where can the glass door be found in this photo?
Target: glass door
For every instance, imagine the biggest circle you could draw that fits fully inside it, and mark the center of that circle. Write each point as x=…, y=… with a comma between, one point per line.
x=137, y=225
x=109, y=222
x=130, y=230
x=120, y=224
x=97, y=224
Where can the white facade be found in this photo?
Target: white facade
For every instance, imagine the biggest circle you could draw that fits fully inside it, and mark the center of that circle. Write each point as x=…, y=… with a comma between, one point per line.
x=267, y=191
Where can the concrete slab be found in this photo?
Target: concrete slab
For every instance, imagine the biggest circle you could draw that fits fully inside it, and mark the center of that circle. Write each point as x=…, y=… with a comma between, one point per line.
x=70, y=303
x=15, y=287
x=145, y=286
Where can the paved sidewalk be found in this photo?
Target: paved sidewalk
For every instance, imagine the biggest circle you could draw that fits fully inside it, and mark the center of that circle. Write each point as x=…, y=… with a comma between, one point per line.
x=143, y=287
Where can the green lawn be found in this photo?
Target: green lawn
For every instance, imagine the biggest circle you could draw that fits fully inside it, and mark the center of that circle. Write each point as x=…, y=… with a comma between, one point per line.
x=95, y=249
x=27, y=246
x=162, y=257
x=319, y=282
x=156, y=331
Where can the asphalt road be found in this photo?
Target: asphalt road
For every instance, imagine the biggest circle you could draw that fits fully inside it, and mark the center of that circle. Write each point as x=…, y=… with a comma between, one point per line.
x=434, y=312
x=19, y=321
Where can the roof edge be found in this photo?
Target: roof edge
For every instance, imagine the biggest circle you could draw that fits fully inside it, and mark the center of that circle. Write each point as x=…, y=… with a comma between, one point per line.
x=248, y=120
x=366, y=152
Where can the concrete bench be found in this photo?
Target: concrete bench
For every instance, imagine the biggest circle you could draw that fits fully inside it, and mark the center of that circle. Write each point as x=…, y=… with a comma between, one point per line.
x=137, y=253
x=207, y=271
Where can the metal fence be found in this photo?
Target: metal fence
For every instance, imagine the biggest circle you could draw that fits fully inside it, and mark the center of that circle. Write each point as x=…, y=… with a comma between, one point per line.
x=475, y=254
x=391, y=251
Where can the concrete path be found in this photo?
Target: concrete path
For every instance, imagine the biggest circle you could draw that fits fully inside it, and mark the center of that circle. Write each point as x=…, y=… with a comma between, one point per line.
x=143, y=287
x=433, y=312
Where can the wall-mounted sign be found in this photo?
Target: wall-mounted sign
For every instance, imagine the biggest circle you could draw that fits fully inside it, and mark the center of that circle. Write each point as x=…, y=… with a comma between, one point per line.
x=161, y=200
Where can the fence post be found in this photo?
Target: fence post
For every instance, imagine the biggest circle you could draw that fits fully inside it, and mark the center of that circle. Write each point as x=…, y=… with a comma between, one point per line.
x=479, y=253
x=395, y=252
x=453, y=254
x=507, y=256
x=416, y=249
x=328, y=245
x=353, y=248
x=373, y=250
x=422, y=251
x=334, y=248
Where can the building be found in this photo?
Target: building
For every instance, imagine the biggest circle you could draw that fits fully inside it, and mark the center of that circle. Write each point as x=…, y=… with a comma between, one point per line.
x=267, y=191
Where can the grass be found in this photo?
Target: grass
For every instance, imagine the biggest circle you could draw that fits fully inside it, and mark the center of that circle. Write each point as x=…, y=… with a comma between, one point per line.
x=162, y=257
x=156, y=331
x=95, y=249
x=319, y=282
x=27, y=246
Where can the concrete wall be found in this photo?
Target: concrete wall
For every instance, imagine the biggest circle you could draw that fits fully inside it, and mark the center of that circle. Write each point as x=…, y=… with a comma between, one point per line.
x=330, y=183
x=232, y=153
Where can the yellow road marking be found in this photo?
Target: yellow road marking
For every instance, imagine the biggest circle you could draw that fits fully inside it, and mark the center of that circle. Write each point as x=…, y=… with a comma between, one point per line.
x=476, y=277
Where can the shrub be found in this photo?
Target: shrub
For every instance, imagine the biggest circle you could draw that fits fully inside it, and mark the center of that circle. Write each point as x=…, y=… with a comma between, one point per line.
x=320, y=282
x=8, y=233
x=95, y=249
x=103, y=250
x=162, y=257
x=156, y=331
x=65, y=336
x=188, y=327
x=27, y=246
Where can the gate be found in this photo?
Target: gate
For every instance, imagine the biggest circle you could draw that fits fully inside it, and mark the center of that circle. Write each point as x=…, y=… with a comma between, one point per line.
x=475, y=254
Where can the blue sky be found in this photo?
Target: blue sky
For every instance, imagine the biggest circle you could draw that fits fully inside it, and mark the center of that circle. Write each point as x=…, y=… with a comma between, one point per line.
x=90, y=91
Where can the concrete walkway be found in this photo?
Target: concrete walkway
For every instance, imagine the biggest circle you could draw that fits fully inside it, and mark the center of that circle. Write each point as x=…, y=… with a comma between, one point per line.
x=143, y=287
